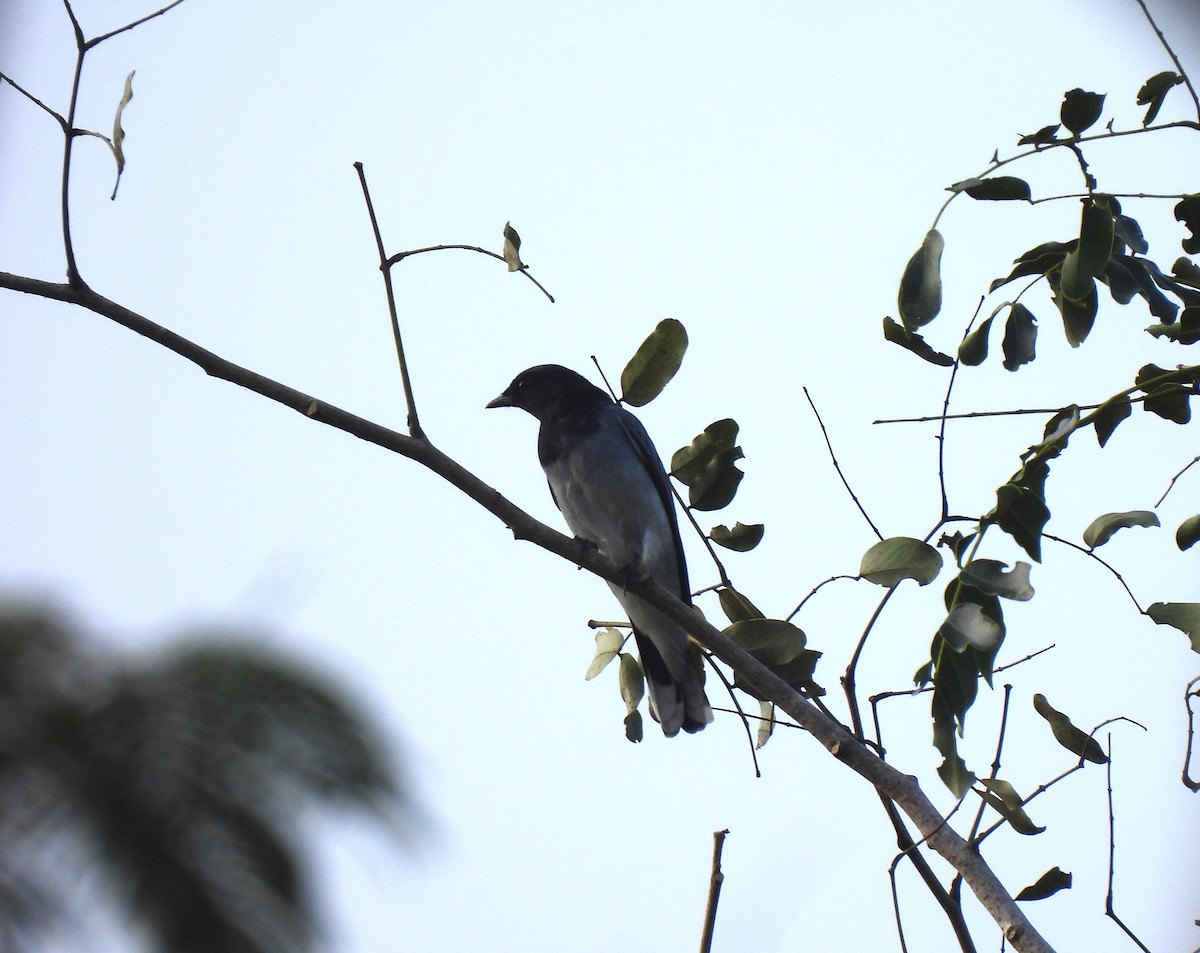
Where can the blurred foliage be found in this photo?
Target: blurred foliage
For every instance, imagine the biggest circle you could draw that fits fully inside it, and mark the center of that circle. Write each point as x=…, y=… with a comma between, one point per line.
x=176, y=781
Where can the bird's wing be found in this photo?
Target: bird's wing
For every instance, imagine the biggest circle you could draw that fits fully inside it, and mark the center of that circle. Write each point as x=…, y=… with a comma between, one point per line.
x=648, y=455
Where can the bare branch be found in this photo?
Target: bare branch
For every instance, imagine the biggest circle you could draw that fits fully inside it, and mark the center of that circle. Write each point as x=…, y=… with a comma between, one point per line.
x=1192, y=691
x=5, y=78
x=1109, y=911
x=401, y=255
x=1174, y=479
x=96, y=41
x=837, y=467
x=715, y=880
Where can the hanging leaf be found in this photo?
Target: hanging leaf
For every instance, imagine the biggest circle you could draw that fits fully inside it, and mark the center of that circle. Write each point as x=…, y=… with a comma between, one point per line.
x=633, y=726
x=1089, y=258
x=717, y=483
x=1101, y=529
x=1005, y=800
x=1188, y=533
x=1039, y=260
x=893, y=560
x=1164, y=397
x=912, y=341
x=609, y=642
x=1078, y=315
x=766, y=723
x=968, y=626
x=740, y=539
x=920, y=297
x=1080, y=110
x=953, y=770
x=512, y=248
x=1022, y=513
x=654, y=364
x=1075, y=740
x=1020, y=337
x=632, y=682
x=974, y=350
x=687, y=463
x=118, y=136
x=1109, y=415
x=1154, y=91
x=737, y=608
x=1184, y=616
x=1048, y=884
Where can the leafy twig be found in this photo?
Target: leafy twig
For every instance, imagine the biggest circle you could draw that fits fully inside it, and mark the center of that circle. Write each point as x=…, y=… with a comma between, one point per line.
x=1171, y=53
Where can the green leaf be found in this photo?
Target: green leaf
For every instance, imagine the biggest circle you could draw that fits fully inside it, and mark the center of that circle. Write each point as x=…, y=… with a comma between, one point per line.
x=1127, y=230
x=1188, y=533
x=632, y=682
x=1005, y=800
x=737, y=608
x=974, y=349
x=1020, y=337
x=1188, y=212
x=1078, y=315
x=740, y=539
x=892, y=560
x=633, y=726
x=1154, y=91
x=912, y=341
x=1039, y=260
x=953, y=770
x=717, y=483
x=1101, y=529
x=609, y=642
x=1164, y=397
x=1043, y=137
x=1109, y=416
x=1080, y=110
x=989, y=577
x=1089, y=258
x=920, y=297
x=1022, y=513
x=1184, y=616
x=997, y=188
x=512, y=248
x=687, y=463
x=654, y=364
x=1048, y=884
x=781, y=647
x=1075, y=740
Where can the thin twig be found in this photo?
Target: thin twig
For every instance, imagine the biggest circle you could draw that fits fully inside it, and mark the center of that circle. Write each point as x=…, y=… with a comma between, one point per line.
x=4, y=77
x=1192, y=784
x=414, y=425
x=400, y=256
x=96, y=41
x=715, y=880
x=1109, y=910
x=1092, y=554
x=1171, y=485
x=848, y=679
x=932, y=418
x=745, y=719
x=837, y=467
x=815, y=590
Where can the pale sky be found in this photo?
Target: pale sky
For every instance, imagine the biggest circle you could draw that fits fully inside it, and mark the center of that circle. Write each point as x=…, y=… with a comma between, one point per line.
x=760, y=171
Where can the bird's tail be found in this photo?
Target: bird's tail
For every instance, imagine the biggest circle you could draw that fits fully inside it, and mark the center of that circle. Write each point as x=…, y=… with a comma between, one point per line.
x=675, y=687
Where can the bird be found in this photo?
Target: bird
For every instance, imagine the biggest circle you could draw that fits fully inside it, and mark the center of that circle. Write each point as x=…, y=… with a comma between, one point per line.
x=610, y=485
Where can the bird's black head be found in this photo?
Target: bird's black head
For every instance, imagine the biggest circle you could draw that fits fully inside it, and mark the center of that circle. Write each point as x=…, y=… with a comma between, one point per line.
x=548, y=391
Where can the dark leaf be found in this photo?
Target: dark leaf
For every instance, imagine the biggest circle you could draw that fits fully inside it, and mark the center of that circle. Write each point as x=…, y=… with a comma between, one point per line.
x=890, y=561
x=974, y=350
x=1149, y=280
x=1022, y=513
x=1020, y=337
x=1080, y=110
x=1185, y=331
x=1184, y=616
x=1130, y=232
x=920, y=297
x=953, y=770
x=737, y=608
x=897, y=334
x=1075, y=740
x=1154, y=91
x=1102, y=528
x=1048, y=884
x=1122, y=285
x=1188, y=533
x=1090, y=256
x=1043, y=137
x=1037, y=261
x=1005, y=800
x=687, y=463
x=1078, y=315
x=1109, y=415
x=1188, y=212
x=781, y=647
x=717, y=483
x=1000, y=188
x=1186, y=272
x=654, y=364
x=633, y=726
x=1164, y=396
x=741, y=538
x=990, y=577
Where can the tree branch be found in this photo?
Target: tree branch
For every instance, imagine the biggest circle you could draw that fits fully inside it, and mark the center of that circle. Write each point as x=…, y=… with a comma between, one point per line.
x=891, y=783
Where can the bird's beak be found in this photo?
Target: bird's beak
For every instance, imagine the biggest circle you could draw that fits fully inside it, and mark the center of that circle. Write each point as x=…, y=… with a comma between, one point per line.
x=504, y=400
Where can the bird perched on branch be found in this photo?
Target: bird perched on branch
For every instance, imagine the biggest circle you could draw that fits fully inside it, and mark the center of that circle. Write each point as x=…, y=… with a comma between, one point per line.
x=608, y=481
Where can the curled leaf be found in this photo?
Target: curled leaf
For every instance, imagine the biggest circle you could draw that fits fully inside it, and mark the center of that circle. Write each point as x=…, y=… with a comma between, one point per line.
x=989, y=577
x=910, y=340
x=1003, y=797
x=766, y=723
x=608, y=644
x=1184, y=616
x=633, y=683
x=1154, y=91
x=1075, y=740
x=512, y=248
x=1048, y=884
x=741, y=538
x=1020, y=337
x=118, y=136
x=974, y=349
x=687, y=463
x=1101, y=529
x=920, y=297
x=1188, y=533
x=654, y=364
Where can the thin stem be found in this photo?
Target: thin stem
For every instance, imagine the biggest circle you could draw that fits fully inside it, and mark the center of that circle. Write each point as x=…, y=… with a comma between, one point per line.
x=1109, y=909
x=4, y=77
x=1092, y=554
x=96, y=41
x=837, y=467
x=848, y=679
x=73, y=276
x=1192, y=784
x=715, y=880
x=414, y=424
x=400, y=256
x=1174, y=479
x=817, y=588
